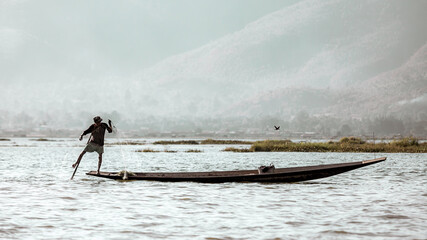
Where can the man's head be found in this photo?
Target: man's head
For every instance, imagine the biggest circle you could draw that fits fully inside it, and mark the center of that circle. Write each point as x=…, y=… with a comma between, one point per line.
x=97, y=119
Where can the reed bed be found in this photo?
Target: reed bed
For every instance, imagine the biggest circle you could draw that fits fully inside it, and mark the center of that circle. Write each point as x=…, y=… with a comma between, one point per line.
x=351, y=144
x=125, y=143
x=204, y=142
x=225, y=142
x=170, y=151
x=233, y=149
x=193, y=151
x=148, y=150
x=179, y=142
x=42, y=140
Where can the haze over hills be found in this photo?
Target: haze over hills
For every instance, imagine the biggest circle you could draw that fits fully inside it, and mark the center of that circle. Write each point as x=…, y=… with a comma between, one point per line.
x=326, y=57
x=401, y=92
x=288, y=59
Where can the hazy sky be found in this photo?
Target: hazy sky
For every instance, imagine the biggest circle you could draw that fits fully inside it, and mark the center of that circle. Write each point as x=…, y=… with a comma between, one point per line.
x=123, y=36
x=204, y=58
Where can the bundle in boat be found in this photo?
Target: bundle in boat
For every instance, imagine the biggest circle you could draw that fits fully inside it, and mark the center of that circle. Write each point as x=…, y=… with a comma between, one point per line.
x=266, y=169
x=125, y=174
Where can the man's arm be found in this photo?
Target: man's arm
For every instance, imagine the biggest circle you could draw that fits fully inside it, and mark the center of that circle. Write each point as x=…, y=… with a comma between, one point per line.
x=89, y=130
x=109, y=127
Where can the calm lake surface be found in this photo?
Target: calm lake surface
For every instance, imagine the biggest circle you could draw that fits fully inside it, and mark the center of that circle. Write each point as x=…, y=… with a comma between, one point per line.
x=387, y=200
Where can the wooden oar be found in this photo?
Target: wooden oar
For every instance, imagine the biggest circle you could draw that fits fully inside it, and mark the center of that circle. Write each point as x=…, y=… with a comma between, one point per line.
x=75, y=170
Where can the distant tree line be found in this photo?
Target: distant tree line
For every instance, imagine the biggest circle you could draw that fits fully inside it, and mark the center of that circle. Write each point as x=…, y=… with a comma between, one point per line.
x=326, y=126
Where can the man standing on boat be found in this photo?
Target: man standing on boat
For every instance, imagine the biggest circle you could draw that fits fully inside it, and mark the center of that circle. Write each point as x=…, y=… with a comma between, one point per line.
x=96, y=139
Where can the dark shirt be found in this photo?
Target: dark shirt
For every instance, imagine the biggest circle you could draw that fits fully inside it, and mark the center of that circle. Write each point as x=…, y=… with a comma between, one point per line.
x=98, y=133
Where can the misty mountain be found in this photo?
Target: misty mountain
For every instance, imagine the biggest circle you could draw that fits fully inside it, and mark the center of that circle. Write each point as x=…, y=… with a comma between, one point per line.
x=328, y=57
x=401, y=91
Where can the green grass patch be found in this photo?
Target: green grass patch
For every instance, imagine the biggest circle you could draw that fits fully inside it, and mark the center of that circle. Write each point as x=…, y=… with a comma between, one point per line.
x=232, y=149
x=406, y=142
x=149, y=150
x=225, y=142
x=406, y=145
x=125, y=143
x=205, y=142
x=351, y=140
x=193, y=151
x=42, y=140
x=180, y=142
x=170, y=151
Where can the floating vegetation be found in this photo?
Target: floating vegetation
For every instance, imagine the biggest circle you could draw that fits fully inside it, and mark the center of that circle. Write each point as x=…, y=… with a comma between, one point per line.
x=206, y=142
x=17, y=145
x=126, y=143
x=351, y=140
x=406, y=142
x=147, y=150
x=224, y=142
x=42, y=140
x=193, y=151
x=170, y=151
x=180, y=142
x=232, y=149
x=350, y=144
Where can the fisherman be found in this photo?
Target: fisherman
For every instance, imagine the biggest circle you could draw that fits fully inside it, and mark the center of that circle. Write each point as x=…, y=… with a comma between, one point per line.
x=96, y=140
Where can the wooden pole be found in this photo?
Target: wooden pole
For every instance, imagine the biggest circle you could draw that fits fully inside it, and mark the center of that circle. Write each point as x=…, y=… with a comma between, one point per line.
x=75, y=170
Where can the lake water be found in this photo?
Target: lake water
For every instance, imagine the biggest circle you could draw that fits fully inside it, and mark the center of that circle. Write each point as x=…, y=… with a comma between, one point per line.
x=387, y=200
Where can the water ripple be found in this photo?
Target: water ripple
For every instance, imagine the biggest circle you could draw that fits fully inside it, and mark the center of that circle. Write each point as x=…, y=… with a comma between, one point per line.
x=38, y=201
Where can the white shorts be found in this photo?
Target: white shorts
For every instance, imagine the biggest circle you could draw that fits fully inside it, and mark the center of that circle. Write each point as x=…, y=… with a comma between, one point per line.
x=93, y=147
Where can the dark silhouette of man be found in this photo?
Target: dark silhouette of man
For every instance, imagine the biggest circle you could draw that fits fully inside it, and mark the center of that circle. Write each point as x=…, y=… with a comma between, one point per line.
x=96, y=139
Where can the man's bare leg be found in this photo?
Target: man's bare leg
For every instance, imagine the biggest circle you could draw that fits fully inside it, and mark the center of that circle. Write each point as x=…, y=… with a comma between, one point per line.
x=79, y=159
x=99, y=162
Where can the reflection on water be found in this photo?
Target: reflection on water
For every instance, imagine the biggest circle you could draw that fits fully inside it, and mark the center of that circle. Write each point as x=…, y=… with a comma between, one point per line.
x=38, y=201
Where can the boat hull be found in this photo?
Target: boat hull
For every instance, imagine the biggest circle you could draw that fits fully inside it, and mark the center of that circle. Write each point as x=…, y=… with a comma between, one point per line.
x=281, y=175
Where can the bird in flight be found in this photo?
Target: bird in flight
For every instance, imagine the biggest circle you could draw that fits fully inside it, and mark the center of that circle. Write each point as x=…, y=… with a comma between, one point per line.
x=277, y=128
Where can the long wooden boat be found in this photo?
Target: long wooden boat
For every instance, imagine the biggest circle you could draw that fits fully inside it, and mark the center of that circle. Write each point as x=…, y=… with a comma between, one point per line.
x=283, y=175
